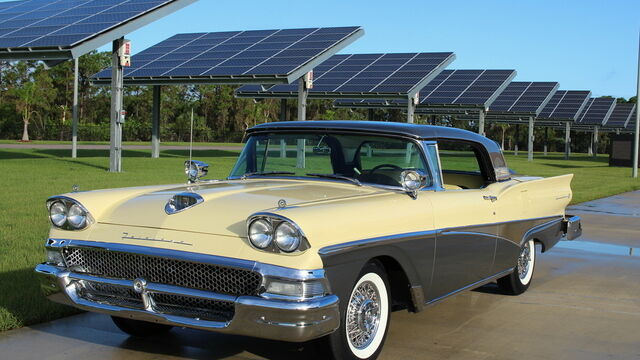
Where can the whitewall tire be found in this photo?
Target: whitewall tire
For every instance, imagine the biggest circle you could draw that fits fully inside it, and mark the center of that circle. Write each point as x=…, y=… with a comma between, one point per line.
x=519, y=280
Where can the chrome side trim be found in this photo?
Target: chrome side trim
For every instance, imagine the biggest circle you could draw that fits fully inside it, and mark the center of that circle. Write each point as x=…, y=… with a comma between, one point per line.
x=471, y=286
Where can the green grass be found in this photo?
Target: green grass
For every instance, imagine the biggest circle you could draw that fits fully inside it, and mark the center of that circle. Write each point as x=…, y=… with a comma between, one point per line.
x=30, y=176
x=146, y=143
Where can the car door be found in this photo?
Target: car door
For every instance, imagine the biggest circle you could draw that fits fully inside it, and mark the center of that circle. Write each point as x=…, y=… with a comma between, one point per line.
x=465, y=219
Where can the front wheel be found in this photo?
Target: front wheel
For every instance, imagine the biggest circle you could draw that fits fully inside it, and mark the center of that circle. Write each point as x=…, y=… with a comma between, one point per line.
x=365, y=320
x=519, y=280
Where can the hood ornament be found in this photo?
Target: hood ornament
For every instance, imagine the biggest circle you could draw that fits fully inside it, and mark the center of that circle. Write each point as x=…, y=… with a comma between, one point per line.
x=195, y=170
x=282, y=203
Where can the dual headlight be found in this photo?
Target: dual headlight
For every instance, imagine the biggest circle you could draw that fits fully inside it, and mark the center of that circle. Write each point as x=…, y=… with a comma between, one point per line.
x=66, y=213
x=275, y=233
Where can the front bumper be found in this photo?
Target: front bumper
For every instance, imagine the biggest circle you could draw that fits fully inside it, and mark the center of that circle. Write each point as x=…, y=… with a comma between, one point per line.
x=285, y=320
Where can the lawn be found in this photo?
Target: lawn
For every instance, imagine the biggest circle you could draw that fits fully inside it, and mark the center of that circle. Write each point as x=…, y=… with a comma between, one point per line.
x=145, y=143
x=30, y=176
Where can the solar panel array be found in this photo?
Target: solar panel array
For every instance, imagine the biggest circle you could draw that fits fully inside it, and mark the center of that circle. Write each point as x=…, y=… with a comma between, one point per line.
x=621, y=116
x=565, y=105
x=454, y=88
x=64, y=23
x=367, y=75
x=524, y=97
x=237, y=53
x=597, y=111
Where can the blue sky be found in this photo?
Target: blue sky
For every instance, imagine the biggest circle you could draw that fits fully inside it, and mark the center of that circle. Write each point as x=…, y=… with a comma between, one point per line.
x=585, y=44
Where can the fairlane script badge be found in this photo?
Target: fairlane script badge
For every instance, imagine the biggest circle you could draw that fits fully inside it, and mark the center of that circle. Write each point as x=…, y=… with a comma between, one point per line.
x=126, y=236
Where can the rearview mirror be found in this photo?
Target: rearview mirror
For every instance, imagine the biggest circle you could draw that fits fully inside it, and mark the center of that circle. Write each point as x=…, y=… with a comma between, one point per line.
x=413, y=181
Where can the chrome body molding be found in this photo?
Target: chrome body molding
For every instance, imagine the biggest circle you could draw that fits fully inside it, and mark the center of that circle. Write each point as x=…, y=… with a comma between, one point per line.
x=269, y=316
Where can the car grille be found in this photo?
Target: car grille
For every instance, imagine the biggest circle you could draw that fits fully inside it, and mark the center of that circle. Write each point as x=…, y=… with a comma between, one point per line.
x=129, y=266
x=179, y=305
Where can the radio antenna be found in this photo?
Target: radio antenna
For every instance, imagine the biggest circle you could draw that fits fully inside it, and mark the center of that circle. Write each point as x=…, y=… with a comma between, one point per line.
x=191, y=137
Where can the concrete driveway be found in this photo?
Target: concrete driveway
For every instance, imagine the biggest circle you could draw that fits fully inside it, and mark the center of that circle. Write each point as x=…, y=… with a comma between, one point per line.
x=584, y=303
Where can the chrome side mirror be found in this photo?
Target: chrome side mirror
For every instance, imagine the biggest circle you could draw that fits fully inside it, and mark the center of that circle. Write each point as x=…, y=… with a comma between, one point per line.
x=413, y=181
x=195, y=170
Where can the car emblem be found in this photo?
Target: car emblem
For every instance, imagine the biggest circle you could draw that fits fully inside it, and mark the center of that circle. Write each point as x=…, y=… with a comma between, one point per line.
x=282, y=203
x=139, y=285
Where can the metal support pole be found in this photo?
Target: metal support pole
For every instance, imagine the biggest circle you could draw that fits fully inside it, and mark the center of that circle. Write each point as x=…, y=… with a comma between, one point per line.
x=411, y=109
x=531, y=138
x=481, y=122
x=636, y=137
x=567, y=140
x=595, y=141
x=115, y=149
x=76, y=114
x=155, y=122
x=303, y=92
x=515, y=147
x=546, y=139
x=370, y=115
x=283, y=109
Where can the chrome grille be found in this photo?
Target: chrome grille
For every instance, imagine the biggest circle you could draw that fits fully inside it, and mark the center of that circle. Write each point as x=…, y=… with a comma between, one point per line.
x=130, y=266
x=193, y=307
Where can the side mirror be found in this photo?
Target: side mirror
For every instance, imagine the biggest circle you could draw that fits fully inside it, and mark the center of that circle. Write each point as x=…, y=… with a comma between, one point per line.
x=195, y=170
x=413, y=181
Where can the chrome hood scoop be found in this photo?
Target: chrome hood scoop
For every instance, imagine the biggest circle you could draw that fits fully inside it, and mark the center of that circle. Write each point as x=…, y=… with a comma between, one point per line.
x=222, y=207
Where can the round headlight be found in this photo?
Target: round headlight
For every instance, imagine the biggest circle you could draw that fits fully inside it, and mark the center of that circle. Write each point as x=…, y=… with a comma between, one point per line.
x=58, y=213
x=287, y=237
x=261, y=233
x=76, y=216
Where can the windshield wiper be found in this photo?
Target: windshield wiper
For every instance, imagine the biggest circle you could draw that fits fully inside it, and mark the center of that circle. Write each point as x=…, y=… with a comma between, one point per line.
x=262, y=173
x=335, y=176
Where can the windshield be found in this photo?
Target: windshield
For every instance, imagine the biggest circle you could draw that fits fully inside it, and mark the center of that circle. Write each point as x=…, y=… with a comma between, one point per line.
x=365, y=159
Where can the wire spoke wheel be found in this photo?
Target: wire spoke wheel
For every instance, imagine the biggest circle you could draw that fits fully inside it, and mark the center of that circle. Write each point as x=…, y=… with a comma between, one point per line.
x=363, y=315
x=525, y=262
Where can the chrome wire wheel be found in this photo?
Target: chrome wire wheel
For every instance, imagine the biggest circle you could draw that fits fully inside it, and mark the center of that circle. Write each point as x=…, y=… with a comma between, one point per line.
x=366, y=315
x=526, y=261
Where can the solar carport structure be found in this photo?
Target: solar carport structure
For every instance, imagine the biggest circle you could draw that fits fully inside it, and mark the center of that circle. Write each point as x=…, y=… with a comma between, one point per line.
x=594, y=115
x=379, y=76
x=59, y=30
x=452, y=92
x=265, y=57
x=621, y=118
x=563, y=109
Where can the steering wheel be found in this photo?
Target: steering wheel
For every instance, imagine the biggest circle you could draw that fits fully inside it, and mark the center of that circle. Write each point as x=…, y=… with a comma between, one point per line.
x=378, y=167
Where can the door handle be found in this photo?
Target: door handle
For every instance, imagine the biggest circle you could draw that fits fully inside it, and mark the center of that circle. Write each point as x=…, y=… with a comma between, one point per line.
x=490, y=197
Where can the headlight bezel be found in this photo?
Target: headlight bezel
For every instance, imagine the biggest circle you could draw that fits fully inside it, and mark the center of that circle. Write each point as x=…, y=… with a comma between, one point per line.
x=275, y=221
x=68, y=203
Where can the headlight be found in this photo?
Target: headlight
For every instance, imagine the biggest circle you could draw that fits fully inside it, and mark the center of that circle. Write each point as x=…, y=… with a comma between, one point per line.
x=287, y=237
x=76, y=216
x=66, y=213
x=261, y=233
x=58, y=213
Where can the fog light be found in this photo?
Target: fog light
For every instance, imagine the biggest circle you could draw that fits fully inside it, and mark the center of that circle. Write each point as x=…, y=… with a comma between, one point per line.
x=55, y=258
x=296, y=289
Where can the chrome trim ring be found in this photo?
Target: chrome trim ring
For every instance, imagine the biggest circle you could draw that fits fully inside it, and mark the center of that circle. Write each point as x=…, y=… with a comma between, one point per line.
x=363, y=315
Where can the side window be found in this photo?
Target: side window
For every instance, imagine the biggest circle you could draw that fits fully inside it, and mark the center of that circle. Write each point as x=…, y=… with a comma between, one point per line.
x=462, y=166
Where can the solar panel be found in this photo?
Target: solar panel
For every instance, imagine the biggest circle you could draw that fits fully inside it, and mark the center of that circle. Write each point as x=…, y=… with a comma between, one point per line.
x=364, y=75
x=632, y=120
x=621, y=116
x=45, y=28
x=597, y=111
x=524, y=97
x=565, y=105
x=254, y=56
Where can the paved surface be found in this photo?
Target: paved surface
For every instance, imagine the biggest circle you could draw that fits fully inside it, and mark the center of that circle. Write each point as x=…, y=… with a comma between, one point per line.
x=125, y=147
x=584, y=304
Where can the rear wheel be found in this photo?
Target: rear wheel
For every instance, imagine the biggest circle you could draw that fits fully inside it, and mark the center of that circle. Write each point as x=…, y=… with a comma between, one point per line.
x=139, y=328
x=365, y=319
x=519, y=280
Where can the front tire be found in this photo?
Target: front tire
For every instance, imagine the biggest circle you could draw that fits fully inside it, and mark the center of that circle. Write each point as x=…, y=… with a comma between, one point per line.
x=519, y=280
x=139, y=328
x=365, y=318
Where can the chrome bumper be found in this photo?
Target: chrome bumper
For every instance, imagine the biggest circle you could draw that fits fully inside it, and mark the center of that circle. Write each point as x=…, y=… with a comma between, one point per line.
x=572, y=227
x=295, y=321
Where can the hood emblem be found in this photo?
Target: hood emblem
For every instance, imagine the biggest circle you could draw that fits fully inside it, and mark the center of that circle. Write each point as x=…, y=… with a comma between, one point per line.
x=182, y=201
x=282, y=203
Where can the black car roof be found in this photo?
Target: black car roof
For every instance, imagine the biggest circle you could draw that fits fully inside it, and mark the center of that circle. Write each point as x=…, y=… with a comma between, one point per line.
x=423, y=132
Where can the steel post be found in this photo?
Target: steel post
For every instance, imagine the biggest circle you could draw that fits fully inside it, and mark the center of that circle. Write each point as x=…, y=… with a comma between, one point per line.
x=567, y=140
x=481, y=122
x=530, y=142
x=303, y=92
x=411, y=109
x=115, y=148
x=546, y=139
x=595, y=141
x=155, y=121
x=76, y=114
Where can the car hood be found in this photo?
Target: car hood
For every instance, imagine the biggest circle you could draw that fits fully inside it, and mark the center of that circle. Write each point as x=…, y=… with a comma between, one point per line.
x=226, y=205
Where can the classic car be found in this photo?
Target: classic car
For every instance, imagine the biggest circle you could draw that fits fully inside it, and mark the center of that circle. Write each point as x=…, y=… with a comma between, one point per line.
x=297, y=245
